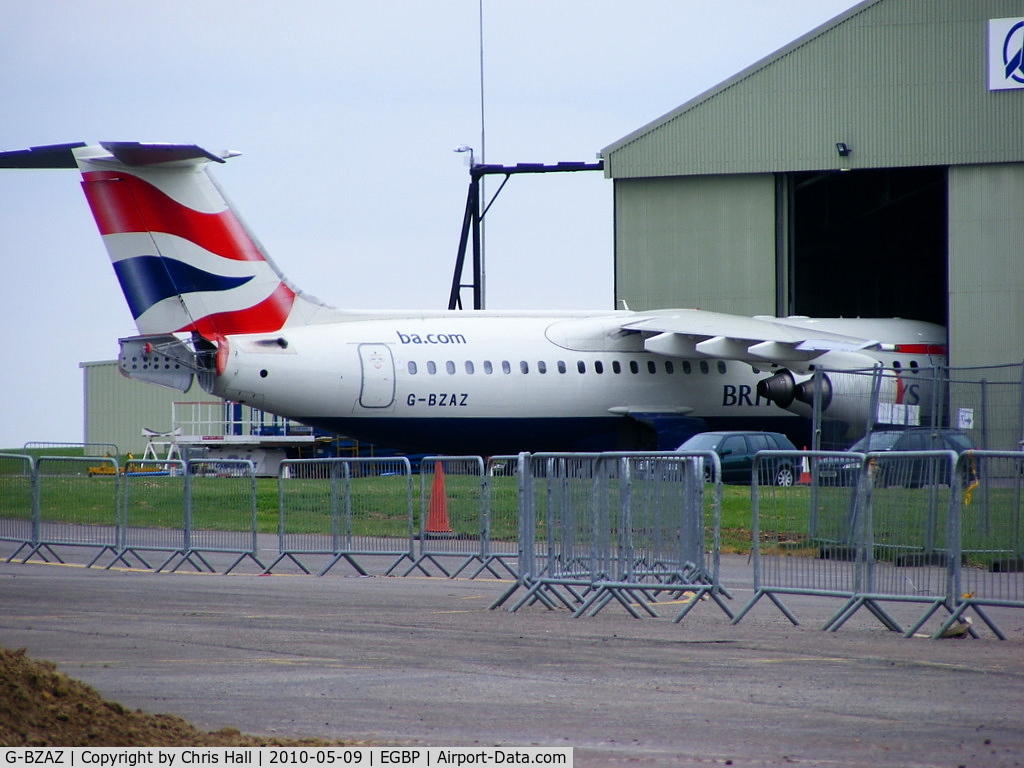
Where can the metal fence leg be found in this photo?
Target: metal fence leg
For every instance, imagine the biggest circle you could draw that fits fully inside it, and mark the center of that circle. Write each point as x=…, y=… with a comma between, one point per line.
x=338, y=557
x=771, y=596
x=288, y=556
x=698, y=595
x=853, y=605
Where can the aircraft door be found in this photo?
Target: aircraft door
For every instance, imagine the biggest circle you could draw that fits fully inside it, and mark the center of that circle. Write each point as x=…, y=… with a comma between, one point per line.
x=378, y=383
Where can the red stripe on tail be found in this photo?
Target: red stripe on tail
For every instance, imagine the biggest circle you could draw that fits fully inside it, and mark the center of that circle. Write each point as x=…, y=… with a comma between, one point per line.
x=268, y=315
x=129, y=204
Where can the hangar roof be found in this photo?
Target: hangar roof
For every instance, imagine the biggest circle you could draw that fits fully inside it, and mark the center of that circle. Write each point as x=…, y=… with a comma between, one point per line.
x=900, y=82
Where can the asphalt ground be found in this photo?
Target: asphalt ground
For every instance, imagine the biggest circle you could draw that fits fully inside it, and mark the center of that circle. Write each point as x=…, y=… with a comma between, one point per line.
x=419, y=660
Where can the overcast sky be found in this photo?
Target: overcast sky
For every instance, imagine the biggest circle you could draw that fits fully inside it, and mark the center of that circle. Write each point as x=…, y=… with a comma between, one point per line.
x=347, y=115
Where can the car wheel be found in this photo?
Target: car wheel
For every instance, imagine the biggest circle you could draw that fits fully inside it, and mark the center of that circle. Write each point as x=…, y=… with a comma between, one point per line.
x=784, y=475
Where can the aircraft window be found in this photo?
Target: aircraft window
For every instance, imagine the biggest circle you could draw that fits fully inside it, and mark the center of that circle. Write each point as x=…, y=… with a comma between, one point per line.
x=450, y=366
x=561, y=366
x=687, y=368
x=652, y=367
x=412, y=368
x=469, y=367
x=542, y=367
x=616, y=366
x=431, y=367
x=896, y=364
x=488, y=368
x=721, y=366
x=581, y=366
x=598, y=366
x=913, y=364
x=524, y=367
x=669, y=368
x=704, y=366
x=633, y=367
x=506, y=367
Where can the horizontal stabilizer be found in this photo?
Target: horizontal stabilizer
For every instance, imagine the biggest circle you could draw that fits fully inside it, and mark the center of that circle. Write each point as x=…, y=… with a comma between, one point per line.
x=49, y=156
x=130, y=153
x=137, y=153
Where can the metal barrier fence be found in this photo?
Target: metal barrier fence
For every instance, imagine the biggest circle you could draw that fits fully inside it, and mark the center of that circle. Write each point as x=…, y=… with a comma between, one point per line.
x=88, y=449
x=58, y=502
x=345, y=508
x=19, y=498
x=220, y=512
x=625, y=527
x=580, y=531
x=887, y=532
x=987, y=404
x=990, y=568
x=77, y=505
x=502, y=546
x=154, y=516
x=453, y=514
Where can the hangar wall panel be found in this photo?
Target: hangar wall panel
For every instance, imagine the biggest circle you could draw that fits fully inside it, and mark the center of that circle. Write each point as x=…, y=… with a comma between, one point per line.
x=902, y=82
x=696, y=242
x=986, y=264
x=118, y=408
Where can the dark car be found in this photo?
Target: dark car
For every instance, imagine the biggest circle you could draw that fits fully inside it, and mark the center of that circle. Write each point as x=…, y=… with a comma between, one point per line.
x=909, y=473
x=736, y=452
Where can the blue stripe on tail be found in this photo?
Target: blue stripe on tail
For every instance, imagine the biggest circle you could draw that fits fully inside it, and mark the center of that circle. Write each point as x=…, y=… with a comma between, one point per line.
x=147, y=280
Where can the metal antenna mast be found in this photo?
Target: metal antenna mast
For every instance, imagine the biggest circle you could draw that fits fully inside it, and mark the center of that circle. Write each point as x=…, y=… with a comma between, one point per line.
x=472, y=219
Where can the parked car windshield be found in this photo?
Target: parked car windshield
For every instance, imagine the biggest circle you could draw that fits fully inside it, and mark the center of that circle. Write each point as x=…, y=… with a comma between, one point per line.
x=959, y=442
x=702, y=442
x=876, y=441
x=919, y=440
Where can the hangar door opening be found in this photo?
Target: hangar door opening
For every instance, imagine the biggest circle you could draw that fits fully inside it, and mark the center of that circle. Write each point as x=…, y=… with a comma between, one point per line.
x=869, y=243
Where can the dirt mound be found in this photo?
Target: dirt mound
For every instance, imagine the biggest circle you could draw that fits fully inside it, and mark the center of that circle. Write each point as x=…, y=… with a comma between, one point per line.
x=41, y=707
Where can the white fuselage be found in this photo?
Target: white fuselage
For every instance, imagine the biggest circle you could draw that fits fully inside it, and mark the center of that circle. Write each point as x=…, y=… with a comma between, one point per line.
x=492, y=383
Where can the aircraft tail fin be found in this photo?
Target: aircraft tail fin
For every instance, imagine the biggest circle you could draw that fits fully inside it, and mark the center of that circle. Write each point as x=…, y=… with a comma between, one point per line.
x=185, y=261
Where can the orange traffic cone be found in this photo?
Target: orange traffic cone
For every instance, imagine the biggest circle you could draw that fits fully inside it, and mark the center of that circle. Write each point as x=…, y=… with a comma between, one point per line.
x=805, y=471
x=437, y=512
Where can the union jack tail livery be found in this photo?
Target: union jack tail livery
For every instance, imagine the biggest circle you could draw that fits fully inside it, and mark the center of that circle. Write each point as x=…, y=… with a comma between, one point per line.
x=185, y=261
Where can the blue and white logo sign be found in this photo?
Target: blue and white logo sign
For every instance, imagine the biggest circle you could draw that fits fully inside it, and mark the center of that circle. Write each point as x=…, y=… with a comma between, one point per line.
x=1005, y=54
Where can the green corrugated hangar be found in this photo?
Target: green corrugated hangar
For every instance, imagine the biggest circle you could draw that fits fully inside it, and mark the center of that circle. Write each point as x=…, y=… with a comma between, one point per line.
x=873, y=167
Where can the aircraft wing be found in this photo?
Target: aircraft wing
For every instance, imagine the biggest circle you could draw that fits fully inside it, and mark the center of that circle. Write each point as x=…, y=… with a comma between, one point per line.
x=794, y=343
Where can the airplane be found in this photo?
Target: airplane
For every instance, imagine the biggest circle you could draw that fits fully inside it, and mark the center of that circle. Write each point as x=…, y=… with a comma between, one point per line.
x=211, y=306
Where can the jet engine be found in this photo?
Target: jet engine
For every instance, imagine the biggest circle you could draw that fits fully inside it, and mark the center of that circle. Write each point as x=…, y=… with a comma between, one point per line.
x=845, y=396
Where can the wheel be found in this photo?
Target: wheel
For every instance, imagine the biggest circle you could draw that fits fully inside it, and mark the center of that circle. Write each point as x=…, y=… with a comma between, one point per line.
x=784, y=475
